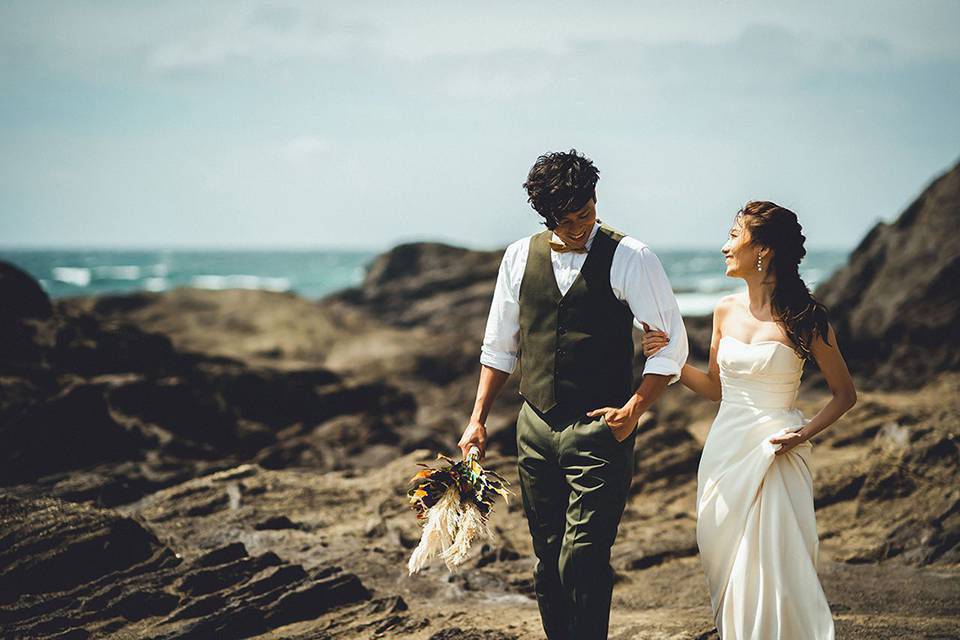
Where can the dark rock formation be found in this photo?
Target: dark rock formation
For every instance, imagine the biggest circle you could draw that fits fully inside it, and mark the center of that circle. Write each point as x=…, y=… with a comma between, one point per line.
x=24, y=305
x=22, y=295
x=699, y=332
x=94, y=408
x=429, y=284
x=895, y=305
x=50, y=545
x=665, y=456
x=70, y=570
x=85, y=345
x=70, y=429
x=904, y=481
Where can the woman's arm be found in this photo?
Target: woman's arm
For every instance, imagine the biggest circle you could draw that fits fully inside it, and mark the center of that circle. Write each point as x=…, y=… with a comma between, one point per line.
x=705, y=383
x=835, y=372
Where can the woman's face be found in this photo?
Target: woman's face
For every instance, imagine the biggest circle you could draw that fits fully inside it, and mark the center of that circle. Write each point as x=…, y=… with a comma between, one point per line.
x=738, y=252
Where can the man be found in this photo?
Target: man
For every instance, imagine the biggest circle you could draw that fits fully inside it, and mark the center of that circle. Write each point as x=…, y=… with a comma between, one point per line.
x=565, y=302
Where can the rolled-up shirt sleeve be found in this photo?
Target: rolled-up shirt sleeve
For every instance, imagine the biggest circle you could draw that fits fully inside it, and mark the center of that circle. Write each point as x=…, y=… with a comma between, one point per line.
x=501, y=339
x=648, y=293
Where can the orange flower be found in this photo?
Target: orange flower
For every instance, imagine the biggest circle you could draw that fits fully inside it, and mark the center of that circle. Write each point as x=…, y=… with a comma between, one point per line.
x=426, y=473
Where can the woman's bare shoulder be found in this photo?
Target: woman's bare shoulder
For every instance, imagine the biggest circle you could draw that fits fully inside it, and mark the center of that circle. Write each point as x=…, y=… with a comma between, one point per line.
x=728, y=302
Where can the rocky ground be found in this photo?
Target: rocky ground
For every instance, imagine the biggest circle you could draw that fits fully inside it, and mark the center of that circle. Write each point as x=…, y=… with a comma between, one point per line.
x=199, y=464
x=294, y=553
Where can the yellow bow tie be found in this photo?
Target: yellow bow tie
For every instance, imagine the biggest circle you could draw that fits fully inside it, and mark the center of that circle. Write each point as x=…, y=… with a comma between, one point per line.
x=559, y=247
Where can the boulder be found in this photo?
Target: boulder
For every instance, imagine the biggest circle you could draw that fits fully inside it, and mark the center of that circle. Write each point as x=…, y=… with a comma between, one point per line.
x=22, y=296
x=429, y=284
x=894, y=305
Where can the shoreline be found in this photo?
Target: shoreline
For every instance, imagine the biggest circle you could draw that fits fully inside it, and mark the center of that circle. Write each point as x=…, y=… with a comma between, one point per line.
x=697, y=276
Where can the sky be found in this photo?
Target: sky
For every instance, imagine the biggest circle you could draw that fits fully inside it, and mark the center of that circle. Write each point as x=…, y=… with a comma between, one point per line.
x=368, y=124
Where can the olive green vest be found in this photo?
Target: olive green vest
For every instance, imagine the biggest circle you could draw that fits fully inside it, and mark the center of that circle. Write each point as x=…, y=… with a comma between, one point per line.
x=576, y=350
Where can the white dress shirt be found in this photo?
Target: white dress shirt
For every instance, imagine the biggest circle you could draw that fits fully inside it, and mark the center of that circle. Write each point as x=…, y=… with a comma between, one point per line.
x=636, y=277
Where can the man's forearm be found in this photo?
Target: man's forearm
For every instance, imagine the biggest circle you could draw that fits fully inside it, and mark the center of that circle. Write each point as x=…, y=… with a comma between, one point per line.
x=647, y=393
x=491, y=381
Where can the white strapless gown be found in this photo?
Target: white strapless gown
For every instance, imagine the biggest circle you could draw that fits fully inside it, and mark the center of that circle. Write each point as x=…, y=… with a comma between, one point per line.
x=756, y=527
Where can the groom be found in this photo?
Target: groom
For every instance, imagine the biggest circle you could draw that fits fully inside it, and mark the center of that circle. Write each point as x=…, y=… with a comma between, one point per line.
x=564, y=305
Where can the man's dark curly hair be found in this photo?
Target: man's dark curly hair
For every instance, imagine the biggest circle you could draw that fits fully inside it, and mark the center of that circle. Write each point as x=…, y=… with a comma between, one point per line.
x=559, y=183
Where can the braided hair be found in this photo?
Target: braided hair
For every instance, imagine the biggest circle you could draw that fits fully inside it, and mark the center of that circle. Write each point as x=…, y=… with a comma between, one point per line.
x=794, y=307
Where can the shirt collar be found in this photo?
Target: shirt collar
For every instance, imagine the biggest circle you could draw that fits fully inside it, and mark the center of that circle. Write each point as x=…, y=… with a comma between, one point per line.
x=593, y=232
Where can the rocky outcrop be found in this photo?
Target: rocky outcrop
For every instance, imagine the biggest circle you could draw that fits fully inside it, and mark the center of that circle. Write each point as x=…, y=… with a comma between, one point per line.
x=895, y=305
x=900, y=486
x=93, y=407
x=428, y=284
x=50, y=545
x=24, y=302
x=69, y=429
x=22, y=295
x=74, y=571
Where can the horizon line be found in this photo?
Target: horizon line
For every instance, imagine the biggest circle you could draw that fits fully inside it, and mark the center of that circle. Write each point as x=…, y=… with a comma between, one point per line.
x=341, y=249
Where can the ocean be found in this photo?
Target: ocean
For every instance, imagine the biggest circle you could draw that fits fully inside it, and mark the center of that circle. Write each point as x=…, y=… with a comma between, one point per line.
x=697, y=276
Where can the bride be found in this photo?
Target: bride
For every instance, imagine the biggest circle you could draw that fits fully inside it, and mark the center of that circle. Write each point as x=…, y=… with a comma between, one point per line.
x=756, y=528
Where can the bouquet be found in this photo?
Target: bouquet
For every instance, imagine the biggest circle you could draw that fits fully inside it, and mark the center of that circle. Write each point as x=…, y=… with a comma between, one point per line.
x=453, y=505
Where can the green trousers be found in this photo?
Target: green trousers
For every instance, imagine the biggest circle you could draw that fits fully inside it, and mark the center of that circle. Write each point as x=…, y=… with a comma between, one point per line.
x=574, y=480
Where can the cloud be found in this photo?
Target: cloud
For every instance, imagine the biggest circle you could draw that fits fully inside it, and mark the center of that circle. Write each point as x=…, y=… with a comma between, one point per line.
x=125, y=114
x=305, y=148
x=262, y=35
x=482, y=79
x=211, y=36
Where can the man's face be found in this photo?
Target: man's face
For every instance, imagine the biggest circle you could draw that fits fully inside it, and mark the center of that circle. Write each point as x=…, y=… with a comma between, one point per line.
x=574, y=227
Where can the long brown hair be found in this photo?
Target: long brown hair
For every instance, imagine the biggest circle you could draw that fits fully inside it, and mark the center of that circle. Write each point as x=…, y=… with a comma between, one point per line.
x=794, y=307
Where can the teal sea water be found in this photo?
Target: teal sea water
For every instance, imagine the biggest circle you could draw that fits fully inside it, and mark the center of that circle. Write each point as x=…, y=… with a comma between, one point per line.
x=698, y=280
x=697, y=276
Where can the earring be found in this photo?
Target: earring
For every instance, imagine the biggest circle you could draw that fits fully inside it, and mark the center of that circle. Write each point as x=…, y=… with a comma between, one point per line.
x=759, y=267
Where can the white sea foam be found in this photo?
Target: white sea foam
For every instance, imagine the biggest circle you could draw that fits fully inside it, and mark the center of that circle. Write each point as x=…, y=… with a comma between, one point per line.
x=118, y=272
x=698, y=304
x=155, y=284
x=79, y=276
x=161, y=269
x=209, y=282
x=715, y=284
x=811, y=276
x=240, y=281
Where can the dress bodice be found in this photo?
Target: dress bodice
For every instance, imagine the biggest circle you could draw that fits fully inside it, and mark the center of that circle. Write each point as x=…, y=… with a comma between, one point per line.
x=760, y=374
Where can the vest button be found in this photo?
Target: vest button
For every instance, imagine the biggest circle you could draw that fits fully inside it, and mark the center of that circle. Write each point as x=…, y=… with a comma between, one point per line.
x=559, y=352
x=562, y=330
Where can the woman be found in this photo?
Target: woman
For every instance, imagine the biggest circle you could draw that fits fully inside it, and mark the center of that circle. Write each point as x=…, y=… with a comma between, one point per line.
x=756, y=527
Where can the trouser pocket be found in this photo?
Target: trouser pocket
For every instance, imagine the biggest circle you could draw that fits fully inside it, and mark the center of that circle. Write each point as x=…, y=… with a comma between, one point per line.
x=606, y=426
